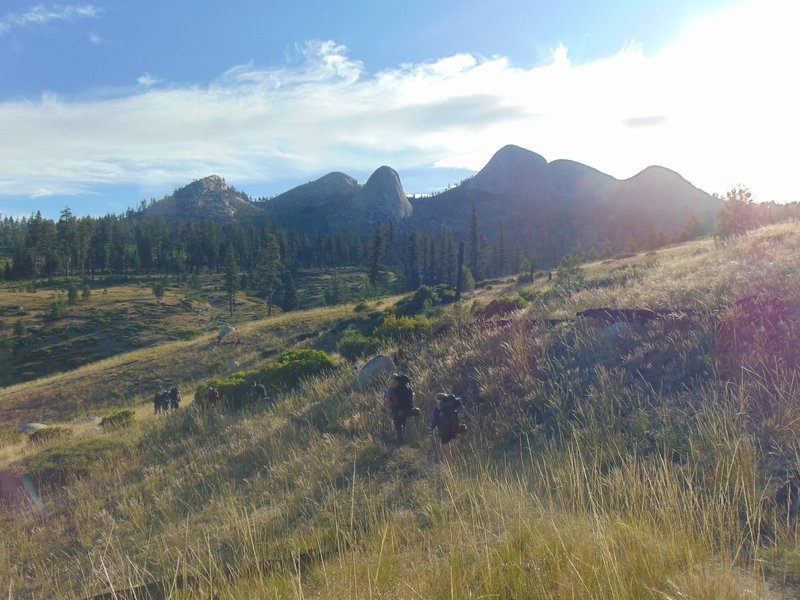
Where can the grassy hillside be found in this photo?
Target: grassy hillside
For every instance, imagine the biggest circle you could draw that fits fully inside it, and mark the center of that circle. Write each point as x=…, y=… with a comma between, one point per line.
x=655, y=461
x=43, y=333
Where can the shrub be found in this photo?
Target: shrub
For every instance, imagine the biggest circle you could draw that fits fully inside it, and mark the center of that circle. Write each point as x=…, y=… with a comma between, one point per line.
x=20, y=329
x=72, y=294
x=118, y=419
x=424, y=298
x=531, y=295
x=57, y=309
x=502, y=306
x=284, y=373
x=399, y=328
x=293, y=366
x=355, y=345
x=360, y=306
x=48, y=434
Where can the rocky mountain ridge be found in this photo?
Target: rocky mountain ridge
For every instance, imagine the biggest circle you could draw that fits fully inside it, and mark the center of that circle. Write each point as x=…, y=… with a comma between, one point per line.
x=518, y=194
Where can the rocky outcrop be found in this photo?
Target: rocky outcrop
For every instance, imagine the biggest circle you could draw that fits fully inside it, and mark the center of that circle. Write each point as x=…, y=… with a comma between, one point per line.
x=207, y=198
x=375, y=370
x=514, y=172
x=547, y=208
x=382, y=198
x=330, y=189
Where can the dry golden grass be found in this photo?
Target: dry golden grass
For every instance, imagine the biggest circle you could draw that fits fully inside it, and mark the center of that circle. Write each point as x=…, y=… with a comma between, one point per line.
x=592, y=468
x=132, y=378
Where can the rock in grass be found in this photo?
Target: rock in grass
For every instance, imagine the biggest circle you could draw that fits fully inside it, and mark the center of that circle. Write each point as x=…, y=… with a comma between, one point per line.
x=31, y=427
x=379, y=367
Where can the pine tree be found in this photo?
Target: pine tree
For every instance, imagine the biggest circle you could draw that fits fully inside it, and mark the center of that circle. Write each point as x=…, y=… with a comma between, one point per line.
x=290, y=301
x=376, y=250
x=412, y=261
x=474, y=241
x=269, y=268
x=460, y=273
x=232, y=277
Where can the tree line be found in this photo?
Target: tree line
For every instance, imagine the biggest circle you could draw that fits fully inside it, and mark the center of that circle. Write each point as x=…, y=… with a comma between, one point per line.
x=34, y=248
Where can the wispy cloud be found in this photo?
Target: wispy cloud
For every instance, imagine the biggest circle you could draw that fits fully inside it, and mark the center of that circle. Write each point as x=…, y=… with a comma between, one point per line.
x=148, y=80
x=40, y=15
x=719, y=106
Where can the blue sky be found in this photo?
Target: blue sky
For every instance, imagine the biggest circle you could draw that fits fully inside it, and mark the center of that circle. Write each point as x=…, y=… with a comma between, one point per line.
x=107, y=102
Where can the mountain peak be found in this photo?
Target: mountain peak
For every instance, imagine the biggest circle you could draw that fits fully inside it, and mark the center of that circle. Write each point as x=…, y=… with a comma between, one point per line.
x=511, y=170
x=206, y=198
x=382, y=198
x=212, y=183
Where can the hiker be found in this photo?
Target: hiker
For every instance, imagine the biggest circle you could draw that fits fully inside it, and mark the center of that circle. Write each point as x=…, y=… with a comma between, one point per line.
x=160, y=402
x=174, y=398
x=212, y=397
x=258, y=390
x=445, y=420
x=399, y=400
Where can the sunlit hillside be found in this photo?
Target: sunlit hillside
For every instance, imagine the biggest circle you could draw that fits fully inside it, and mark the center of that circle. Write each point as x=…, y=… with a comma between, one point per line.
x=653, y=457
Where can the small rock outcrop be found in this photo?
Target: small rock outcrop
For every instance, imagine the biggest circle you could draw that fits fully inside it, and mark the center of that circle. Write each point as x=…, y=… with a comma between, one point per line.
x=31, y=427
x=207, y=198
x=381, y=199
x=379, y=367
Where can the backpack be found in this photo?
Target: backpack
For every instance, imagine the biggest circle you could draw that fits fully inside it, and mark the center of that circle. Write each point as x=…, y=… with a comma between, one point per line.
x=449, y=423
x=404, y=397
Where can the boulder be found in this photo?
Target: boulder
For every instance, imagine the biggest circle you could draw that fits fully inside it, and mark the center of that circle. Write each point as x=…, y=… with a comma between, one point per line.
x=225, y=332
x=31, y=427
x=379, y=367
x=233, y=365
x=617, y=330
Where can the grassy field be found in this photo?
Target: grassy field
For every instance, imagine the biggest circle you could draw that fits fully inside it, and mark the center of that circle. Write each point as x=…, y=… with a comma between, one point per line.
x=658, y=461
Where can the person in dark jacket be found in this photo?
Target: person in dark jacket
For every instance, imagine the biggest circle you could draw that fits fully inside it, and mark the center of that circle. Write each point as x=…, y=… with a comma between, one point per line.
x=160, y=402
x=174, y=398
x=258, y=390
x=399, y=400
x=445, y=420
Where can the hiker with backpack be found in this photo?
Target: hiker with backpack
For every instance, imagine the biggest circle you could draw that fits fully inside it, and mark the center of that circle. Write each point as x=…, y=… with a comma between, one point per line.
x=174, y=398
x=399, y=400
x=212, y=397
x=445, y=420
x=160, y=402
x=259, y=391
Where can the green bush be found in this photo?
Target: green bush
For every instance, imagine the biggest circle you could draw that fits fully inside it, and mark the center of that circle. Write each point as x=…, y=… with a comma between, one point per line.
x=48, y=434
x=399, y=328
x=118, y=419
x=284, y=373
x=360, y=306
x=355, y=345
x=532, y=295
x=424, y=298
x=53, y=466
x=502, y=306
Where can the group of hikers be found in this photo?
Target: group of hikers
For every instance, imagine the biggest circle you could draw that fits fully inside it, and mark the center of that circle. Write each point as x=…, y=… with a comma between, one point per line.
x=399, y=400
x=445, y=421
x=171, y=400
x=167, y=400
